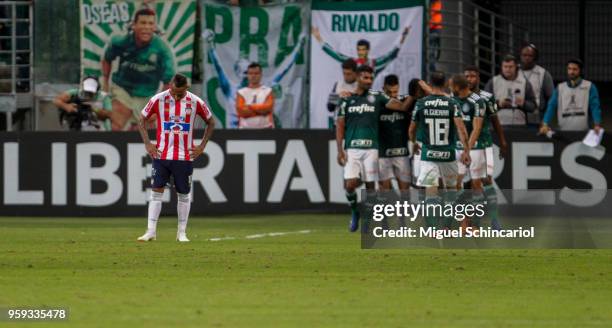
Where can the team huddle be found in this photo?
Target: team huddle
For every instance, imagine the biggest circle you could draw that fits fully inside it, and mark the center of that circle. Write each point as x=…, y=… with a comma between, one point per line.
x=450, y=137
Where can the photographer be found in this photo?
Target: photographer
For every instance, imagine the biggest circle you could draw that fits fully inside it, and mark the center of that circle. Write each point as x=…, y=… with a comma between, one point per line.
x=86, y=108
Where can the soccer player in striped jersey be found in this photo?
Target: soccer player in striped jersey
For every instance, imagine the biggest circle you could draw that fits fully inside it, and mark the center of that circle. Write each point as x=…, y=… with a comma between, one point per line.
x=175, y=110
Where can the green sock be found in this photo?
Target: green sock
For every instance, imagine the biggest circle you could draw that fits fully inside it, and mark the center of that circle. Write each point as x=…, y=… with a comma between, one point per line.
x=477, y=198
x=352, y=200
x=491, y=197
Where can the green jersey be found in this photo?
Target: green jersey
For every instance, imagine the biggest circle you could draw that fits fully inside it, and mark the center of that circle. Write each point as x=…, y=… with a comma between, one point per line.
x=434, y=116
x=361, y=119
x=489, y=98
x=140, y=69
x=471, y=107
x=393, y=134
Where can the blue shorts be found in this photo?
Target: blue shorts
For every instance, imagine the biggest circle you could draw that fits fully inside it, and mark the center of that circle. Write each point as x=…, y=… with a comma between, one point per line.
x=180, y=170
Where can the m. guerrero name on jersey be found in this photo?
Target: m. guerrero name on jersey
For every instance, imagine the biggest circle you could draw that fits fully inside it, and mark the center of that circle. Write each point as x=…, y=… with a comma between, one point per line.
x=436, y=131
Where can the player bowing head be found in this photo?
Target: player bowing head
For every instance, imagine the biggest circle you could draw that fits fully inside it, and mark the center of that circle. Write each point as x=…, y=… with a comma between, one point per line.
x=175, y=110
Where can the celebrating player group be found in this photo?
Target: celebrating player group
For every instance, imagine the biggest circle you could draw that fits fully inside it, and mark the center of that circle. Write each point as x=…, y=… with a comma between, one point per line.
x=447, y=122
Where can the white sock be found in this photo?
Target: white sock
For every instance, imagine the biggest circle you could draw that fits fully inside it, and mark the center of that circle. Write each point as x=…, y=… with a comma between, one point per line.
x=155, y=205
x=183, y=205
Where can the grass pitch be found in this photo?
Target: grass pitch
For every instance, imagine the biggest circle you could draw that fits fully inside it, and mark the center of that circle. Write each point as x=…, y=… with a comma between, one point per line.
x=320, y=278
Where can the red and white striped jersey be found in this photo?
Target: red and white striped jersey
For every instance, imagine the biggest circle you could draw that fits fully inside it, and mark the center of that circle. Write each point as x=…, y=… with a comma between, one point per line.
x=175, y=120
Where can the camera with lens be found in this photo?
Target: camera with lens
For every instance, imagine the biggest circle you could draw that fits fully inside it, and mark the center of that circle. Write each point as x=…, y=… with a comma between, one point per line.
x=85, y=116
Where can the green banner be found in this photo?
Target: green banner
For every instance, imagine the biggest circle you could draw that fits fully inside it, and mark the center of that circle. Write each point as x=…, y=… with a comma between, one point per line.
x=273, y=36
x=135, y=47
x=387, y=36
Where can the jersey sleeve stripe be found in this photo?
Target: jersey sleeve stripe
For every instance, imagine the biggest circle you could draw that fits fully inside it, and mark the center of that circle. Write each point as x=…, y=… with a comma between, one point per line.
x=151, y=108
x=203, y=110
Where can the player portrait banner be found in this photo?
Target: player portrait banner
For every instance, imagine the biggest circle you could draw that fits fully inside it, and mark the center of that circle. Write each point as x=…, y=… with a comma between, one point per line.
x=393, y=30
x=106, y=22
x=273, y=36
x=252, y=172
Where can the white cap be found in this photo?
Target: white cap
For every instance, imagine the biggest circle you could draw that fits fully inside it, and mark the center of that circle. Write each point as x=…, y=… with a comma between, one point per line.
x=90, y=85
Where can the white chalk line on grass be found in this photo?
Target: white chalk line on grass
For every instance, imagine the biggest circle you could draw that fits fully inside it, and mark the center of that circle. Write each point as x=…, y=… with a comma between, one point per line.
x=263, y=235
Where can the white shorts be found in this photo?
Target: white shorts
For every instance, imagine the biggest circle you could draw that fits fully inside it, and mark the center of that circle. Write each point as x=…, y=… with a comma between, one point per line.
x=490, y=161
x=431, y=172
x=416, y=163
x=361, y=163
x=478, y=164
x=394, y=167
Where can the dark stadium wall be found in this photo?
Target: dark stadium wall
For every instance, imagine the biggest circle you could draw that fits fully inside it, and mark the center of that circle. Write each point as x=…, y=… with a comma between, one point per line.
x=562, y=29
x=243, y=172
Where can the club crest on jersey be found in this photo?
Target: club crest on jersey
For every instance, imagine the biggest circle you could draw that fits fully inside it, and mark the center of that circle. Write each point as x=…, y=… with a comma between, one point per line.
x=177, y=119
x=371, y=99
x=465, y=108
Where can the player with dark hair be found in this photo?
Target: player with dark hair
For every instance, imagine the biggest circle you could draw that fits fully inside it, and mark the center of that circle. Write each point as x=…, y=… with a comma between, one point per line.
x=357, y=137
x=437, y=121
x=434, y=120
x=393, y=152
x=363, y=52
x=473, y=109
x=472, y=74
x=418, y=89
x=145, y=60
x=174, y=152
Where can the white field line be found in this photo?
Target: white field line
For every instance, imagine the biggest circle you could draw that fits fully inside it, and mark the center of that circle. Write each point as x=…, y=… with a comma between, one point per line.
x=263, y=235
x=221, y=238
